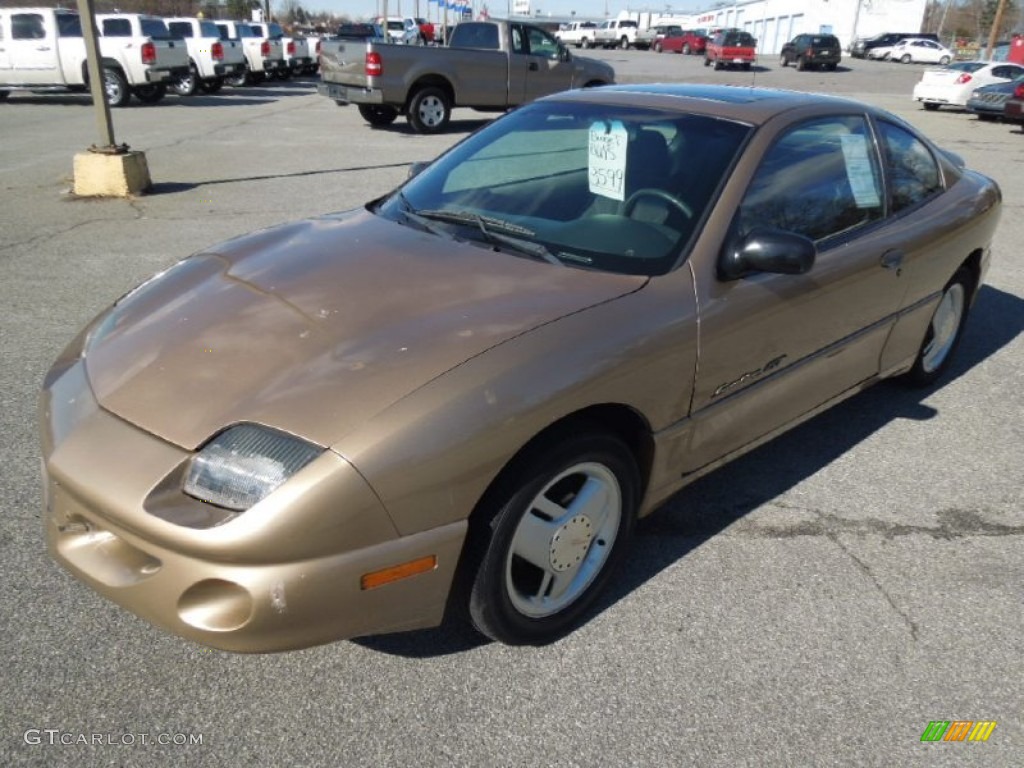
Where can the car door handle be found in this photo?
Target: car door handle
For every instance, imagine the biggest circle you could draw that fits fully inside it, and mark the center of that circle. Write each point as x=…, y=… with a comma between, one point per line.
x=43, y=48
x=534, y=66
x=892, y=259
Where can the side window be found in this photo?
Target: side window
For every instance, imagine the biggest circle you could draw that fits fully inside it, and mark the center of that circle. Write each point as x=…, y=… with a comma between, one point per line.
x=117, y=28
x=913, y=172
x=819, y=179
x=69, y=25
x=542, y=44
x=27, y=26
x=518, y=39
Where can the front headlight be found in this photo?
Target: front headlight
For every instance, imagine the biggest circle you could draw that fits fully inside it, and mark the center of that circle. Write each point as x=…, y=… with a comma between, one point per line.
x=244, y=464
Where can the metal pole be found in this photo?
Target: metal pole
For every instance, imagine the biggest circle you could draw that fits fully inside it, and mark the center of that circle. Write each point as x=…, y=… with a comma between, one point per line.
x=96, y=85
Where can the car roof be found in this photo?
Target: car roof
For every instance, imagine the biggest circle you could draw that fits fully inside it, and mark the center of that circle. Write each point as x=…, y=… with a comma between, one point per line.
x=746, y=104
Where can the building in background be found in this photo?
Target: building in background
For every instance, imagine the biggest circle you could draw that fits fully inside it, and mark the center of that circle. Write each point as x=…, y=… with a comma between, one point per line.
x=775, y=22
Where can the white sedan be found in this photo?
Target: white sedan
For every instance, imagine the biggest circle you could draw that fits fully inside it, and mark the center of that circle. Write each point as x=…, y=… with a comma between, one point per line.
x=920, y=51
x=954, y=84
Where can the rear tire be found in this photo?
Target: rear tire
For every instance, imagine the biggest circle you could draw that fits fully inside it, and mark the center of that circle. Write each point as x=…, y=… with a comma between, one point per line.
x=801, y=65
x=686, y=49
x=429, y=110
x=944, y=60
x=550, y=538
x=944, y=330
x=931, y=106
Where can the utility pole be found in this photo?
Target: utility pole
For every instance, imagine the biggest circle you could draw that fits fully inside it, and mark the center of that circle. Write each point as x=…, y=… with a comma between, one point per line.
x=995, y=30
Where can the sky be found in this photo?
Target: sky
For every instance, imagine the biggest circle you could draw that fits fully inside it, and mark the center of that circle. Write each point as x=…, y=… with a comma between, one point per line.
x=587, y=9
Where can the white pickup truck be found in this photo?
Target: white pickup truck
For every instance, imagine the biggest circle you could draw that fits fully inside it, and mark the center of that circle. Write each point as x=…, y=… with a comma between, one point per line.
x=42, y=50
x=264, y=57
x=169, y=54
x=296, y=49
x=616, y=33
x=210, y=58
x=577, y=33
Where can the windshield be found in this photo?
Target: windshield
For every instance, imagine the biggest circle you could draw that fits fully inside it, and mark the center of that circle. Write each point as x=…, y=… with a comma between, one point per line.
x=614, y=188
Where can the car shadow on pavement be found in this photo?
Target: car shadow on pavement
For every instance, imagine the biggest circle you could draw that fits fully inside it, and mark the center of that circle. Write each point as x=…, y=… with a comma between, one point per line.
x=173, y=187
x=716, y=501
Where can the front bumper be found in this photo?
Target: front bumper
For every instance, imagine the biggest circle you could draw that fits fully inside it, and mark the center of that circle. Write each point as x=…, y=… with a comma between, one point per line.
x=285, y=574
x=345, y=95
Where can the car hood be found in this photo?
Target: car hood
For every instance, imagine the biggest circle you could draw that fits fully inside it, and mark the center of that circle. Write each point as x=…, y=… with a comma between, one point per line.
x=316, y=326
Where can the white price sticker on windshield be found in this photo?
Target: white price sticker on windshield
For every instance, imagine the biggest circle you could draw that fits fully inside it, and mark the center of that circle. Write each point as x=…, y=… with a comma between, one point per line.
x=606, y=159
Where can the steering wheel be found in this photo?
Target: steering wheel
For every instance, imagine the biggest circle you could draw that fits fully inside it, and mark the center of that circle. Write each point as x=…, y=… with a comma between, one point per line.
x=630, y=204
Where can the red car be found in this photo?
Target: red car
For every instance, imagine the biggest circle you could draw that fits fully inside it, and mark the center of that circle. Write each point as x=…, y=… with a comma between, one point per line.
x=731, y=48
x=691, y=41
x=426, y=30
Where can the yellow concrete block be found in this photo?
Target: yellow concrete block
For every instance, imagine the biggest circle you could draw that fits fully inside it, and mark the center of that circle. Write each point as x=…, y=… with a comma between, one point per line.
x=99, y=175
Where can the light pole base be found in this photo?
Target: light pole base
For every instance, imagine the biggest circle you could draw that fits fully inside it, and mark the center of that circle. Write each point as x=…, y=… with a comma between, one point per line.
x=117, y=175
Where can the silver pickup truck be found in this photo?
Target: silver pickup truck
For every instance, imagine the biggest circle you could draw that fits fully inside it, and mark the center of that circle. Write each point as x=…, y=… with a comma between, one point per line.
x=487, y=65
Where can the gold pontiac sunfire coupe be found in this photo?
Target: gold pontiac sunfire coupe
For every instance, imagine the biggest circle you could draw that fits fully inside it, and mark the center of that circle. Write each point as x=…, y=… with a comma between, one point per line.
x=465, y=394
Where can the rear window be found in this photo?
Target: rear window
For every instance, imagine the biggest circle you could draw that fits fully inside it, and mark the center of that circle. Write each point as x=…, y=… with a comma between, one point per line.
x=155, y=28
x=116, y=28
x=966, y=66
x=180, y=29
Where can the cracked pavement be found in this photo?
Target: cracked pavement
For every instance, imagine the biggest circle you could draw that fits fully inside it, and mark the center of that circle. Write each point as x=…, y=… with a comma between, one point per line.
x=816, y=602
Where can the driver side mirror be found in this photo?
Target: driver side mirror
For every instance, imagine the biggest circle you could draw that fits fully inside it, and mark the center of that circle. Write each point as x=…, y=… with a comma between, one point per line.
x=415, y=169
x=767, y=250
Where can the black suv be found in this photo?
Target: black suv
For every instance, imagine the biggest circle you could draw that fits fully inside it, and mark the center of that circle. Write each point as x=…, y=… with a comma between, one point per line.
x=863, y=45
x=812, y=52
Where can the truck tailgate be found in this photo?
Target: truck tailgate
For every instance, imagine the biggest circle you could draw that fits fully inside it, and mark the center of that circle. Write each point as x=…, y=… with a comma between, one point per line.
x=344, y=62
x=170, y=54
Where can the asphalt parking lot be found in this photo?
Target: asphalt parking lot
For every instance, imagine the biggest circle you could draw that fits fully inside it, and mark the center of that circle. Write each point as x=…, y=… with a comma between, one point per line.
x=818, y=602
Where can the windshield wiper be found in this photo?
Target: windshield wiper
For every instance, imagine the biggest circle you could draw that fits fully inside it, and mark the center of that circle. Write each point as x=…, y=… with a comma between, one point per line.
x=422, y=221
x=493, y=229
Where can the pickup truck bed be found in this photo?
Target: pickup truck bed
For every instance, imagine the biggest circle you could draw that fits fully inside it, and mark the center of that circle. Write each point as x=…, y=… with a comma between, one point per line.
x=489, y=66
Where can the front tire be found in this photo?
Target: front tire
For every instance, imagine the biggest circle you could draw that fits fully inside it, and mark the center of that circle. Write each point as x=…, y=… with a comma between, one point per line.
x=686, y=49
x=240, y=79
x=150, y=94
x=211, y=86
x=783, y=61
x=188, y=84
x=944, y=330
x=624, y=43
x=553, y=539
x=905, y=58
x=429, y=110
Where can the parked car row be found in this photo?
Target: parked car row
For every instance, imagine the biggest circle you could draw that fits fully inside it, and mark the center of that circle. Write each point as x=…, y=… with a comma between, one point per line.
x=953, y=85
x=143, y=56
x=913, y=50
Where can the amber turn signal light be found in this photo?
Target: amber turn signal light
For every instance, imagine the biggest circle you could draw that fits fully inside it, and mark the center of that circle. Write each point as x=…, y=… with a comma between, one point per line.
x=398, y=572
